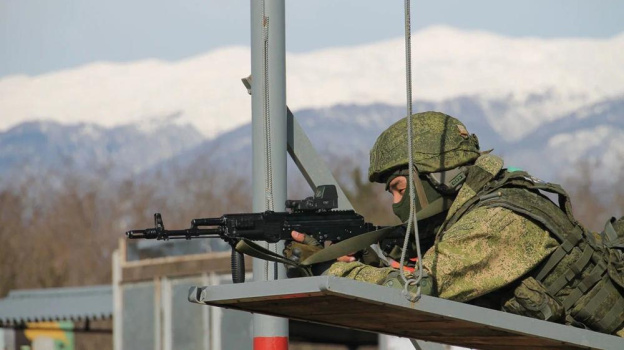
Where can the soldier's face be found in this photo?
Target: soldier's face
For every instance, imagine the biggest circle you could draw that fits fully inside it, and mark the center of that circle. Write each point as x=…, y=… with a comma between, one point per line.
x=397, y=188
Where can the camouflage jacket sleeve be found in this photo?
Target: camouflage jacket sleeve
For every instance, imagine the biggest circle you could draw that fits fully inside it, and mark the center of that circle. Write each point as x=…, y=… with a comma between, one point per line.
x=485, y=250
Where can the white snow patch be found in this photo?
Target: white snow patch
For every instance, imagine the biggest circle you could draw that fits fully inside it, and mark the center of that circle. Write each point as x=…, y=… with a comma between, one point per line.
x=447, y=63
x=90, y=131
x=600, y=146
x=577, y=144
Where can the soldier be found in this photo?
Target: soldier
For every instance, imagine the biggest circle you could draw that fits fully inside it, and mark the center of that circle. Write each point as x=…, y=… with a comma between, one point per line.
x=496, y=240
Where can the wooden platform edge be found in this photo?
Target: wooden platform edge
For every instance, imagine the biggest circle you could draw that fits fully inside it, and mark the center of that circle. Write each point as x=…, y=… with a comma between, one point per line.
x=235, y=296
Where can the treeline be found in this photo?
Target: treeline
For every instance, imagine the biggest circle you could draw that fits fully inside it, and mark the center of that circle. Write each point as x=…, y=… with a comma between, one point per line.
x=594, y=200
x=61, y=231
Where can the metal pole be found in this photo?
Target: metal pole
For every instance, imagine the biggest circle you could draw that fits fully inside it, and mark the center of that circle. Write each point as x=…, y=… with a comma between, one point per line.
x=268, y=68
x=117, y=301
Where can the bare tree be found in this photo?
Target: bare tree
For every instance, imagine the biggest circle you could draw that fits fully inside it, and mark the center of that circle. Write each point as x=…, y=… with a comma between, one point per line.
x=589, y=205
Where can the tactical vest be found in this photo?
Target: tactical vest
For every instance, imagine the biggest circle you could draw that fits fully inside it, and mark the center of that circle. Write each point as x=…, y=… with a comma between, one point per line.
x=585, y=273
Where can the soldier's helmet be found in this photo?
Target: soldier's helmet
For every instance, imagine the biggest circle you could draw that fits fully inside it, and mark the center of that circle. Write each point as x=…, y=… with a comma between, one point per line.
x=439, y=143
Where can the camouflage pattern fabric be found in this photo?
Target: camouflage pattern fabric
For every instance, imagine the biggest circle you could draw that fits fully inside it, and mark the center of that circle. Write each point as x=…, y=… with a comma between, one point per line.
x=486, y=167
x=440, y=142
x=483, y=254
x=531, y=299
x=488, y=248
x=386, y=276
x=484, y=251
x=395, y=281
x=360, y=272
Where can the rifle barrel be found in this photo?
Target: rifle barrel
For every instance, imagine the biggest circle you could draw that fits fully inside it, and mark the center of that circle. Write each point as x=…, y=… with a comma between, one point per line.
x=152, y=233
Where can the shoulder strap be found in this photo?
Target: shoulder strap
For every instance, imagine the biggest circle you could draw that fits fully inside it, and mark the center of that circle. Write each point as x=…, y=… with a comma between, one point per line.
x=254, y=250
x=348, y=246
x=527, y=200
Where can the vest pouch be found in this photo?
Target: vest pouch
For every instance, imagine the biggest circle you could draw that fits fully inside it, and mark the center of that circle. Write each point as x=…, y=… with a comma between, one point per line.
x=616, y=267
x=531, y=299
x=613, y=240
x=601, y=308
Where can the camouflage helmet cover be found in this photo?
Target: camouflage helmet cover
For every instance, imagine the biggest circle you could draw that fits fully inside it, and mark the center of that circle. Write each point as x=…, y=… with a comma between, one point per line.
x=439, y=142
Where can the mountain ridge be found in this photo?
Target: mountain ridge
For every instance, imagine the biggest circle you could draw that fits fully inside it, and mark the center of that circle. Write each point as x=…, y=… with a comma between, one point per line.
x=536, y=78
x=341, y=133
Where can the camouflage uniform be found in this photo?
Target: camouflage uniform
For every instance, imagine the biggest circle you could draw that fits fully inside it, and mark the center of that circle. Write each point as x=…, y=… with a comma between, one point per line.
x=485, y=250
x=503, y=253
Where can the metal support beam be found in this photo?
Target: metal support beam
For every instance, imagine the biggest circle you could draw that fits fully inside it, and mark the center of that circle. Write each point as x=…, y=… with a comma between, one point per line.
x=268, y=67
x=312, y=167
x=309, y=163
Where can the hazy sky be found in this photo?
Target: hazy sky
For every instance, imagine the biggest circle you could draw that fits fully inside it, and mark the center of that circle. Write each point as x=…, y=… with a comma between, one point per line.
x=39, y=36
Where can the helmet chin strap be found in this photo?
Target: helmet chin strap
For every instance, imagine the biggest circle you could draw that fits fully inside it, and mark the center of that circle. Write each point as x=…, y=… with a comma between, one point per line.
x=420, y=190
x=436, y=207
x=429, y=209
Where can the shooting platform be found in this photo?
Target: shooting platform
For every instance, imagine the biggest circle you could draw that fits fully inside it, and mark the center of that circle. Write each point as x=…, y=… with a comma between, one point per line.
x=367, y=307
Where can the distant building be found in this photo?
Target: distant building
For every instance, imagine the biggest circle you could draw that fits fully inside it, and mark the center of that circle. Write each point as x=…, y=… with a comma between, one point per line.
x=146, y=307
x=56, y=318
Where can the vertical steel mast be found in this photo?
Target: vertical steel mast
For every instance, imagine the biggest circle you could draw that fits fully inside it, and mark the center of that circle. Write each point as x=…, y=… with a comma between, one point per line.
x=269, y=139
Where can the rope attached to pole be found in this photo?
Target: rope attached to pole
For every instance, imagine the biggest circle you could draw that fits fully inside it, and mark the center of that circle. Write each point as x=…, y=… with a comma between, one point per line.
x=266, y=112
x=269, y=204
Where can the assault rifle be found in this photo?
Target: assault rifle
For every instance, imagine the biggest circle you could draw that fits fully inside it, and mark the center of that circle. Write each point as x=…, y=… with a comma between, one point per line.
x=313, y=216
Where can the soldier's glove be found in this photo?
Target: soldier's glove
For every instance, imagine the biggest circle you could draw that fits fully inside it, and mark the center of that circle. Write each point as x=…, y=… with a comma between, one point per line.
x=298, y=252
x=368, y=256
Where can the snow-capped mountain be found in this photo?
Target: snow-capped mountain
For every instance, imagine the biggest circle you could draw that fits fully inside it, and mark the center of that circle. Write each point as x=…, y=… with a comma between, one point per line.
x=342, y=132
x=541, y=103
x=345, y=133
x=519, y=83
x=592, y=134
x=44, y=148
